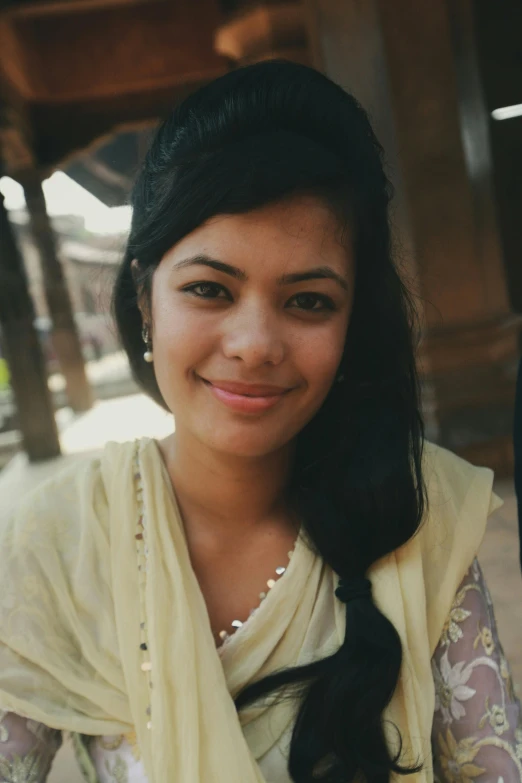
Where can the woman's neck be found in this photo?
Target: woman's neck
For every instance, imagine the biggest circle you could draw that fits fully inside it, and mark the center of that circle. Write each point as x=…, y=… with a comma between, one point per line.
x=227, y=496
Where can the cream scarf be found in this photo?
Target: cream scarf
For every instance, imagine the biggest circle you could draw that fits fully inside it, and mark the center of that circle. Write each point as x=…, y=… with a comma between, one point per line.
x=95, y=566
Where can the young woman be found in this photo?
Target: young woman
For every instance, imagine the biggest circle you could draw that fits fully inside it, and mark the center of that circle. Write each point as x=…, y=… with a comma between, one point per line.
x=285, y=589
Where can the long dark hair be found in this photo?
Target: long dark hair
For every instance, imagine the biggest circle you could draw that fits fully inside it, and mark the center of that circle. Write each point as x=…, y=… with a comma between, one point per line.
x=254, y=136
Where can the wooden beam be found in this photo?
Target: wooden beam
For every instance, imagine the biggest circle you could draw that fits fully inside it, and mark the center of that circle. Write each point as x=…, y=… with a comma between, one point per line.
x=13, y=66
x=15, y=131
x=23, y=351
x=65, y=334
x=111, y=50
x=39, y=8
x=62, y=131
x=265, y=31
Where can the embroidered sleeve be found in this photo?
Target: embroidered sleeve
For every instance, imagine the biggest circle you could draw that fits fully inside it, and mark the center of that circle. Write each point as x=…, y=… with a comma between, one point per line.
x=477, y=728
x=27, y=749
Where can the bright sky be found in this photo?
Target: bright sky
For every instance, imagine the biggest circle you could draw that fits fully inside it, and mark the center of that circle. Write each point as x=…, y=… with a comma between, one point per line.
x=64, y=196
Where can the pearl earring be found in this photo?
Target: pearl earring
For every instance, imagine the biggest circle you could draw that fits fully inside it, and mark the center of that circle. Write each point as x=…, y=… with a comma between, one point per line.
x=340, y=378
x=148, y=356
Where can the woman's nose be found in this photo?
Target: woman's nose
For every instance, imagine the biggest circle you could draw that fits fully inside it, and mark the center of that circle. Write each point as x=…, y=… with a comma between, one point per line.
x=254, y=336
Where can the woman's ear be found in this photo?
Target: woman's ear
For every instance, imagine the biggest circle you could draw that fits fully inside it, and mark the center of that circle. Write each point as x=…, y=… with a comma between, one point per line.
x=143, y=295
x=135, y=268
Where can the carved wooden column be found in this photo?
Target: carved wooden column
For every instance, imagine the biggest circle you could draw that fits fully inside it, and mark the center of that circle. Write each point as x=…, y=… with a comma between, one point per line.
x=263, y=32
x=413, y=66
x=65, y=337
x=23, y=351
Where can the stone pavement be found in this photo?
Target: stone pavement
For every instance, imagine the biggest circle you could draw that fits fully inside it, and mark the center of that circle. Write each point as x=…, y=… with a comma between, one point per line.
x=135, y=416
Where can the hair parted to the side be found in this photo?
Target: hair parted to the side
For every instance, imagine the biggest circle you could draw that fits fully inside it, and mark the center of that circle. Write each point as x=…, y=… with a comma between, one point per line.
x=255, y=136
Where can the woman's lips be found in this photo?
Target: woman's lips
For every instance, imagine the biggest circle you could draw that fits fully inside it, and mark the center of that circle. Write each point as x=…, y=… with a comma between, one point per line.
x=246, y=398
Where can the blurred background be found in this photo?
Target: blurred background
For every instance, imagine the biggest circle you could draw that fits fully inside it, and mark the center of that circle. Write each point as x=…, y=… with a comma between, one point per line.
x=83, y=83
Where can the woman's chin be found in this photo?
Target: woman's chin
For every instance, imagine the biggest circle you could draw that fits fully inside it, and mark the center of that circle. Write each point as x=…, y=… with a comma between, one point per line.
x=245, y=445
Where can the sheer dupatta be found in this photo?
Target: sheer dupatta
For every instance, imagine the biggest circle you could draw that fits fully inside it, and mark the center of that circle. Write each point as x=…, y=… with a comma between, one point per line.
x=104, y=628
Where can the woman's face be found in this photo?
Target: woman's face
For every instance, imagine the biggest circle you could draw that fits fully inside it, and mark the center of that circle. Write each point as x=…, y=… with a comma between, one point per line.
x=249, y=318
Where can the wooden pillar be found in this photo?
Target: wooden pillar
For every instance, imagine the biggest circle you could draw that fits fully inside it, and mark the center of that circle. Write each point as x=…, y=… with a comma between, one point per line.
x=23, y=351
x=266, y=31
x=413, y=66
x=65, y=337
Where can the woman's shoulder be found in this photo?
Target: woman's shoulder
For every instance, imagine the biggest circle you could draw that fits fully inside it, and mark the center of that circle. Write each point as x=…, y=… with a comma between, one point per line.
x=457, y=490
x=460, y=499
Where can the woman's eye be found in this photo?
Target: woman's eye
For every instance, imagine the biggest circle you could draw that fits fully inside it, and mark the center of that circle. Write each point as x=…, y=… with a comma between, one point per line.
x=208, y=291
x=313, y=302
x=307, y=302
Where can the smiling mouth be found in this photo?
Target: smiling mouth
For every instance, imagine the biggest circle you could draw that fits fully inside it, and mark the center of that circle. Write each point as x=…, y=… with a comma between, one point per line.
x=246, y=398
x=249, y=389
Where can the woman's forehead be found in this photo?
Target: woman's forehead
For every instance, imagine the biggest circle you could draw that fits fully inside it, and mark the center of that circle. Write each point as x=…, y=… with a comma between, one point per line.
x=297, y=231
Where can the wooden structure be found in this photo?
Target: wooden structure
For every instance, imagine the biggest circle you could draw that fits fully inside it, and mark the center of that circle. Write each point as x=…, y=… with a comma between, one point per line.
x=76, y=71
x=23, y=351
x=421, y=81
x=499, y=51
x=71, y=73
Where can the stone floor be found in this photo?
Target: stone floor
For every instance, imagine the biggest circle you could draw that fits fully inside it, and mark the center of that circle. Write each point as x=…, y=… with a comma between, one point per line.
x=132, y=417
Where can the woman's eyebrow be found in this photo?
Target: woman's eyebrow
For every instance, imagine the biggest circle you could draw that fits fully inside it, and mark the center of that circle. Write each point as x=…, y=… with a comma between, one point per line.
x=213, y=263
x=317, y=273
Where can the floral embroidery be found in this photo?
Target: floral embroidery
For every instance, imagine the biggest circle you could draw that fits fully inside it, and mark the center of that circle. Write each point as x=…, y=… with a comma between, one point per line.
x=476, y=733
x=457, y=758
x=110, y=742
x=497, y=718
x=4, y=734
x=28, y=749
x=485, y=637
x=483, y=736
x=452, y=631
x=518, y=746
x=451, y=688
x=504, y=669
x=21, y=770
x=119, y=770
